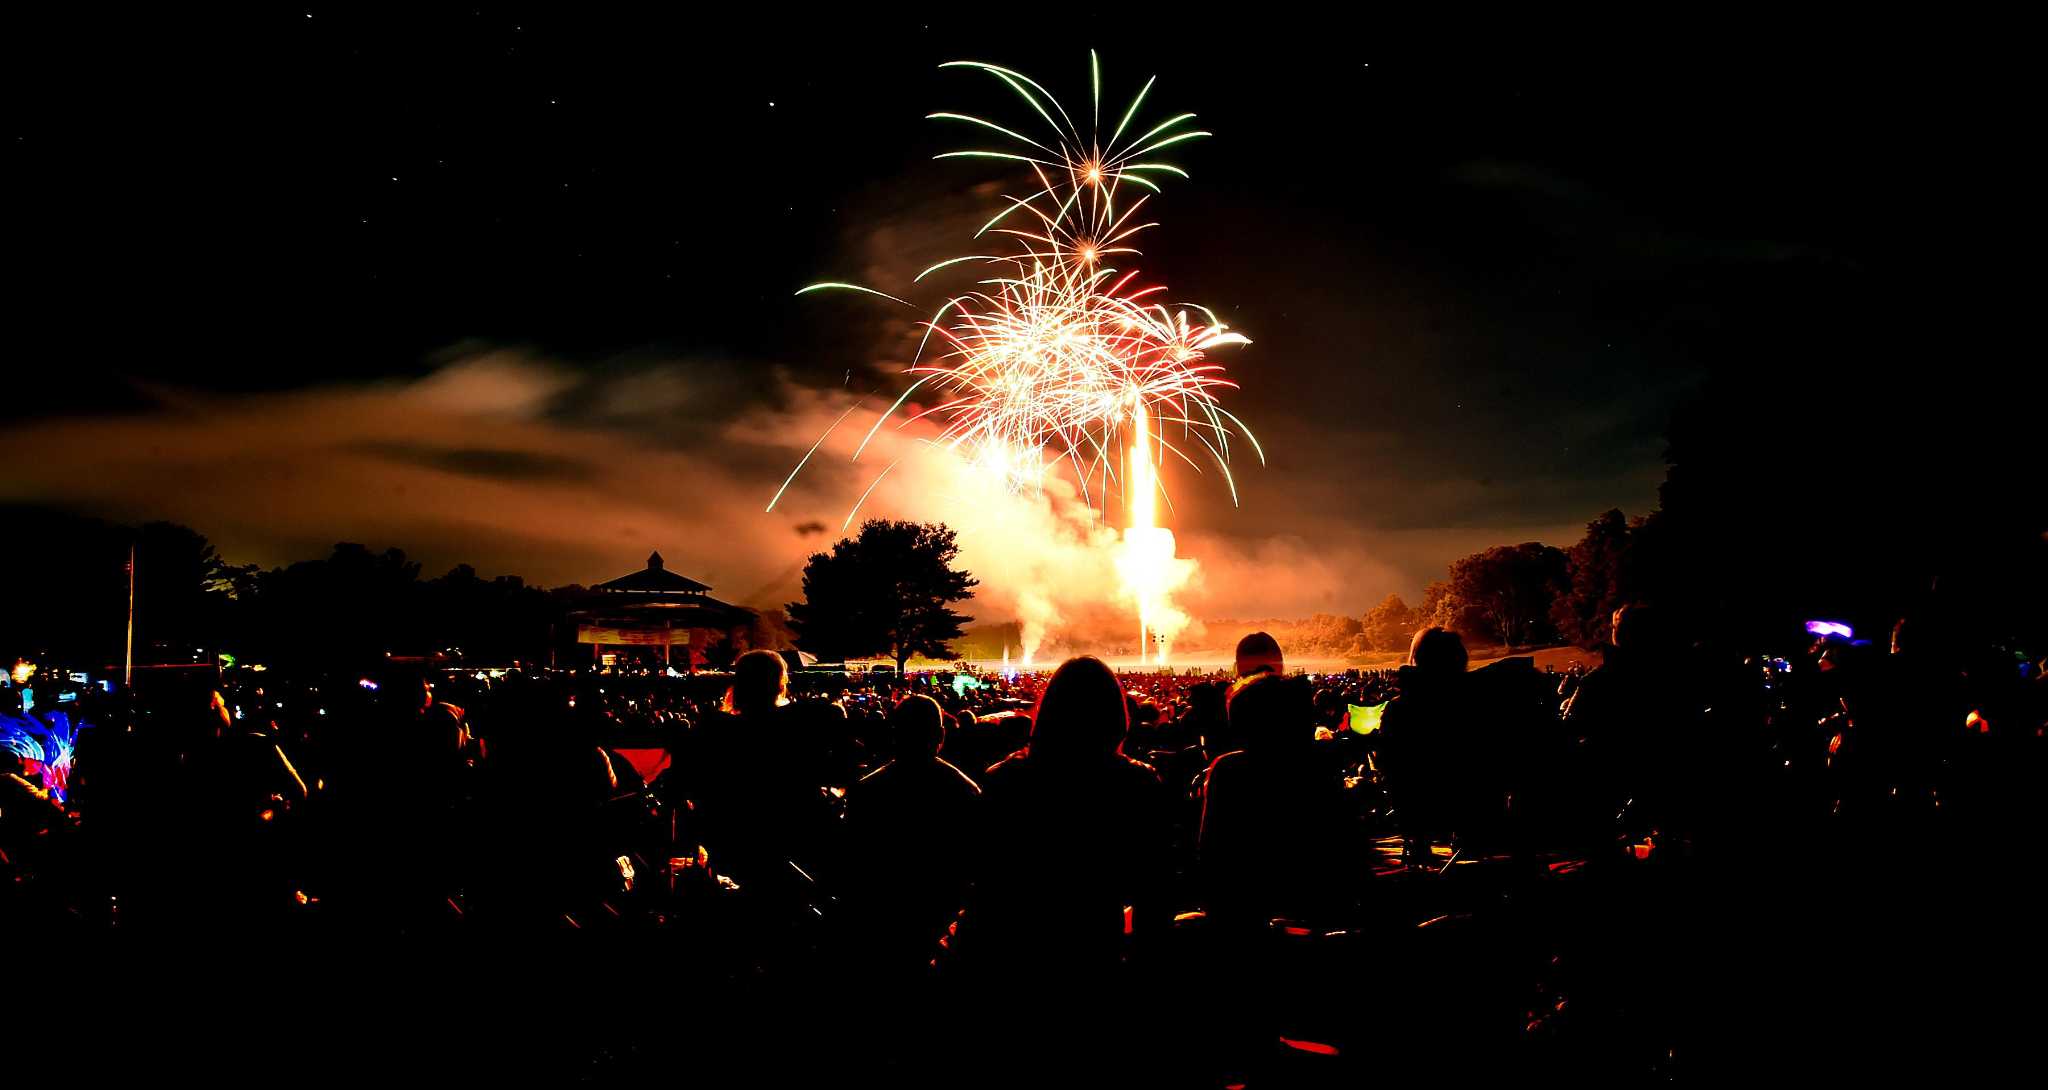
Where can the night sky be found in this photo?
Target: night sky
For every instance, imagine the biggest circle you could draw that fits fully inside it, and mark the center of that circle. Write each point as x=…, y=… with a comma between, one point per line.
x=492, y=286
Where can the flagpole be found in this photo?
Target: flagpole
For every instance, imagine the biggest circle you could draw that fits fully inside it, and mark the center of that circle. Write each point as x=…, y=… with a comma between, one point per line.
x=128, y=655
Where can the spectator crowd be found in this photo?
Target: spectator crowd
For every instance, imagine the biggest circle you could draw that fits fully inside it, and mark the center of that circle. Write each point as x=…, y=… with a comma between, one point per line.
x=1192, y=879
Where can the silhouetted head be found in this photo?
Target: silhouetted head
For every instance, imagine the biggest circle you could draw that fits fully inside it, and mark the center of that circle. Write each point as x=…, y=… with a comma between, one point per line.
x=1259, y=653
x=1269, y=712
x=916, y=727
x=1437, y=650
x=398, y=691
x=1082, y=711
x=760, y=682
x=1637, y=628
x=1013, y=732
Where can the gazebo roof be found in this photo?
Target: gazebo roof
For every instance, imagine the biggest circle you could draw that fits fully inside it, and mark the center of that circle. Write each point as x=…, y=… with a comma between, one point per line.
x=654, y=579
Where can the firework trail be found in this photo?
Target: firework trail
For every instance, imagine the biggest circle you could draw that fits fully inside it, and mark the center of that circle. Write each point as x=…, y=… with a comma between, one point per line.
x=1057, y=355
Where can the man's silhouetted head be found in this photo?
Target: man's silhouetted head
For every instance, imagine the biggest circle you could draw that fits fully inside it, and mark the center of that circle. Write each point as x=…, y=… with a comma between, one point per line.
x=1270, y=712
x=1437, y=651
x=1082, y=710
x=1639, y=628
x=760, y=681
x=916, y=727
x=1259, y=653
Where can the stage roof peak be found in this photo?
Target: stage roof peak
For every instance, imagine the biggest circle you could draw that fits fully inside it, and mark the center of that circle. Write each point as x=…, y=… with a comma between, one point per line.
x=654, y=579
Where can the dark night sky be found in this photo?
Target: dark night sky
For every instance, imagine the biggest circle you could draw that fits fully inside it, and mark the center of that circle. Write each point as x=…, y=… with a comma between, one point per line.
x=1477, y=285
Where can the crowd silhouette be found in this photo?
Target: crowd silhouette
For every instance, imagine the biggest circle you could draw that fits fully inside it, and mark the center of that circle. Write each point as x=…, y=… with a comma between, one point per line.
x=1189, y=879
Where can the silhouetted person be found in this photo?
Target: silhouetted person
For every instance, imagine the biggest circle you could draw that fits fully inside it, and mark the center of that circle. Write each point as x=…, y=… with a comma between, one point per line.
x=1074, y=856
x=1269, y=848
x=1259, y=653
x=1635, y=718
x=1431, y=748
x=251, y=795
x=548, y=849
x=399, y=794
x=1076, y=832
x=911, y=829
x=756, y=781
x=1203, y=733
x=1908, y=711
x=1272, y=813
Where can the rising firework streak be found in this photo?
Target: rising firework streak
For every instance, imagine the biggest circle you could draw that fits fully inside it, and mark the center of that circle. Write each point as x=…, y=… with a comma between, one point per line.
x=1056, y=354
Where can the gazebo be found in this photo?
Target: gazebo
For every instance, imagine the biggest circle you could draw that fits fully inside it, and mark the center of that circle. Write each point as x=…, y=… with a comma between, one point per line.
x=655, y=607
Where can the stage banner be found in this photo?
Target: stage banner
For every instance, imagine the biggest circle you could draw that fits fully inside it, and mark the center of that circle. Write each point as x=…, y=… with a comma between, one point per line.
x=641, y=637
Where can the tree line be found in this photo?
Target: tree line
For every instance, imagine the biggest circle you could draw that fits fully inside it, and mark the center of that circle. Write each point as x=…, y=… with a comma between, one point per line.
x=1510, y=595
x=68, y=581
x=1520, y=596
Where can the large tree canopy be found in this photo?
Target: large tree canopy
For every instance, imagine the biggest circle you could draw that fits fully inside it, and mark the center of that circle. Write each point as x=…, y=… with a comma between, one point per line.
x=1598, y=582
x=1390, y=625
x=886, y=591
x=1508, y=590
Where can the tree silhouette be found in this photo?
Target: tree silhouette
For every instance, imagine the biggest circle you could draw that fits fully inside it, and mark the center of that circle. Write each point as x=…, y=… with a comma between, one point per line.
x=1326, y=634
x=1598, y=583
x=66, y=583
x=1510, y=588
x=1390, y=625
x=183, y=592
x=354, y=606
x=1446, y=606
x=886, y=591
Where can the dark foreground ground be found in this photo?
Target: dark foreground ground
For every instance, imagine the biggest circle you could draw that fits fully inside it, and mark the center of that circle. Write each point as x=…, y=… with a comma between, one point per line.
x=1806, y=960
